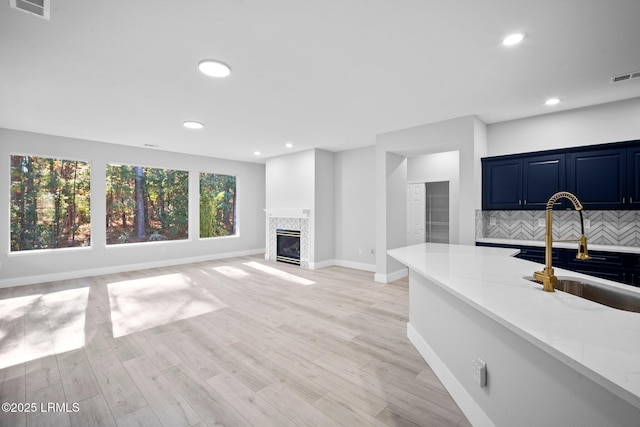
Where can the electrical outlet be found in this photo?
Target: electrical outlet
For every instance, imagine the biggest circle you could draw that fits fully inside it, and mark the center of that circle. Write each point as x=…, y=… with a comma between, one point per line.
x=360, y=251
x=541, y=222
x=479, y=369
x=492, y=221
x=587, y=223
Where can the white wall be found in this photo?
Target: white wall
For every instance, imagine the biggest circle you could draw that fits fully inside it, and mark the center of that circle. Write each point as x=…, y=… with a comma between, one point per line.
x=324, y=207
x=355, y=208
x=391, y=213
x=46, y=265
x=305, y=180
x=290, y=181
x=466, y=135
x=440, y=167
x=612, y=122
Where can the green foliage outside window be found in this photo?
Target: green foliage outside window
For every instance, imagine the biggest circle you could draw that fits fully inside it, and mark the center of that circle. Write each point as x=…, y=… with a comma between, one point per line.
x=49, y=203
x=217, y=205
x=146, y=204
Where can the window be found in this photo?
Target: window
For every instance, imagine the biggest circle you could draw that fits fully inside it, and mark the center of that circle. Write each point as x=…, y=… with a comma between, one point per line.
x=217, y=205
x=49, y=203
x=146, y=204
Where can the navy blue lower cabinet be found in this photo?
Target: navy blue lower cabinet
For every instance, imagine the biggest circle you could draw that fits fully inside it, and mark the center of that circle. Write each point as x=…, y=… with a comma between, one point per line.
x=538, y=254
x=619, y=267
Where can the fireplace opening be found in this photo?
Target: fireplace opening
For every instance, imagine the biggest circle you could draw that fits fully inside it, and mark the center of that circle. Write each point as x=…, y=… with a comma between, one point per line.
x=288, y=246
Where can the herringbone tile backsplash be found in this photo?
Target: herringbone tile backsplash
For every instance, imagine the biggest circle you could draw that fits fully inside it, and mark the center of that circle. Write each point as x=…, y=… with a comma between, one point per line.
x=618, y=228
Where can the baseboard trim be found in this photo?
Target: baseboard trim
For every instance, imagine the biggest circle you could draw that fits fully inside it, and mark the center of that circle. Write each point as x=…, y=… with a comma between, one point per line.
x=78, y=274
x=391, y=277
x=355, y=265
x=321, y=264
x=342, y=263
x=469, y=407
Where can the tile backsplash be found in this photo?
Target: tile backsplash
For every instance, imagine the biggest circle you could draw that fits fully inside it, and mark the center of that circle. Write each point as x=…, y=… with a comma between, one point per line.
x=618, y=228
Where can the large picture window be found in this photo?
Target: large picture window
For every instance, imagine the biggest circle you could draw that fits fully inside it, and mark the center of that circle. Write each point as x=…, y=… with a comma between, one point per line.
x=49, y=203
x=146, y=204
x=217, y=205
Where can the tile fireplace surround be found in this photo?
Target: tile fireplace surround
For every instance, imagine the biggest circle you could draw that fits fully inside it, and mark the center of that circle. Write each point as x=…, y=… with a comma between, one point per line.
x=288, y=219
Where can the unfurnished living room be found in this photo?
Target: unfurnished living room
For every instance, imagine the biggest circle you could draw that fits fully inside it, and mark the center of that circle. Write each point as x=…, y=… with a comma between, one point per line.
x=273, y=213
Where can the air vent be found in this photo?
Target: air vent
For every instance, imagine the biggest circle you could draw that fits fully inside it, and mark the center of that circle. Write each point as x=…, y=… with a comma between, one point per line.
x=627, y=76
x=40, y=8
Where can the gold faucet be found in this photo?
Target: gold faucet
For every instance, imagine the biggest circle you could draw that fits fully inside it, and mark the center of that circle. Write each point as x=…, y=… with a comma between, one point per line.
x=546, y=276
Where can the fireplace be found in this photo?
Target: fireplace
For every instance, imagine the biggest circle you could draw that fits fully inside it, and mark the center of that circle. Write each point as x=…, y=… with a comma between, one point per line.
x=288, y=246
x=295, y=222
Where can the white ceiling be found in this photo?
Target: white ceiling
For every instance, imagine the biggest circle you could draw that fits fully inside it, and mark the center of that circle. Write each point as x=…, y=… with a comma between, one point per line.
x=327, y=74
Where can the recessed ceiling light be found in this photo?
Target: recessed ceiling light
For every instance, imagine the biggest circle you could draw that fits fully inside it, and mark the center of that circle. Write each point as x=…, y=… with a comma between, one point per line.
x=288, y=145
x=513, y=39
x=193, y=125
x=256, y=153
x=552, y=101
x=214, y=68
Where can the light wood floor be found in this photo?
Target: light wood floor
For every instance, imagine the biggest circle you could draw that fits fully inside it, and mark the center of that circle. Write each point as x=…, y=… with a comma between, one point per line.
x=241, y=341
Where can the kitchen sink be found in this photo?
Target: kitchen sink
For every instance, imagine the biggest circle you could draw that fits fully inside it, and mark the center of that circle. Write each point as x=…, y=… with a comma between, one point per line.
x=618, y=298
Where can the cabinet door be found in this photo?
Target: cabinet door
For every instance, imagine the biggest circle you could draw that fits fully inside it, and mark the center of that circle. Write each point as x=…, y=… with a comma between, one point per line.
x=599, y=178
x=543, y=177
x=538, y=254
x=501, y=184
x=633, y=174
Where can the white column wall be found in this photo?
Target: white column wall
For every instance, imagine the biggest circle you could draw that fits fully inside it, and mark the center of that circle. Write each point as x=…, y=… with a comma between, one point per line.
x=305, y=180
x=465, y=135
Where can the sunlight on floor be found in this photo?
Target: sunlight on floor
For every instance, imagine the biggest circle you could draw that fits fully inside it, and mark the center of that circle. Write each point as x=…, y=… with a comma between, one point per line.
x=41, y=325
x=141, y=304
x=232, y=272
x=280, y=274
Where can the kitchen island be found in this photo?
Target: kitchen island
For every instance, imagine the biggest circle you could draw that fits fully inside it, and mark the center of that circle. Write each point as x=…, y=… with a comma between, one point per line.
x=551, y=358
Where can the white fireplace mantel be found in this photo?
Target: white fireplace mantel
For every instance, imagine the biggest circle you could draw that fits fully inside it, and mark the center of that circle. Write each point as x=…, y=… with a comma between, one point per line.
x=287, y=212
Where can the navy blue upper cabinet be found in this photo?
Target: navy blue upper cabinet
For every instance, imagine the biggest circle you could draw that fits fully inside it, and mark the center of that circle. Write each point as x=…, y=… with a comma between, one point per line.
x=521, y=182
x=603, y=176
x=633, y=177
x=543, y=177
x=502, y=183
x=599, y=178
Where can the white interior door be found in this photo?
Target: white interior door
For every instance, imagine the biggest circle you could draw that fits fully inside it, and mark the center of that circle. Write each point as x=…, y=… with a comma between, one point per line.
x=416, y=214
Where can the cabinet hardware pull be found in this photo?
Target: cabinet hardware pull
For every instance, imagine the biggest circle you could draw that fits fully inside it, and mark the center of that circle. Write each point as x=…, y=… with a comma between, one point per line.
x=525, y=201
x=597, y=258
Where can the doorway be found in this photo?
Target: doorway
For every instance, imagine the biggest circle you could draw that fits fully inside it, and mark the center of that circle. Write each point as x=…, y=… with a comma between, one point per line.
x=428, y=212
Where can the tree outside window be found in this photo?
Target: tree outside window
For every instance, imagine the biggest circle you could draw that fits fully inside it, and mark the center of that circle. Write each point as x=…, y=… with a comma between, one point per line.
x=217, y=205
x=50, y=203
x=146, y=204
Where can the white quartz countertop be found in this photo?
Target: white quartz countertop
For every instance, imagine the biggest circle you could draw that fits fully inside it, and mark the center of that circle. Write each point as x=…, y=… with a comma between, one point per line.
x=566, y=245
x=600, y=342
